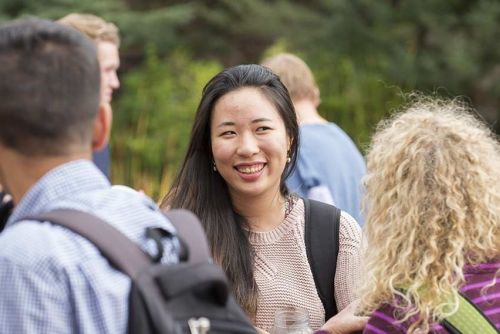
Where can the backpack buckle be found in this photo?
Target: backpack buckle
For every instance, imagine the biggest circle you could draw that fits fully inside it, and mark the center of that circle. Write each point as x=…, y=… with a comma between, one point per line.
x=199, y=326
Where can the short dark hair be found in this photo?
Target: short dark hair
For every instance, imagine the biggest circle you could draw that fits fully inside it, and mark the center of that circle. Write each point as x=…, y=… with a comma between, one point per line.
x=49, y=87
x=203, y=191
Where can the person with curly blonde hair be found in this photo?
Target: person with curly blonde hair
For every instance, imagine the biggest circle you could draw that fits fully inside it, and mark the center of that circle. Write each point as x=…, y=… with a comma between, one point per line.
x=432, y=219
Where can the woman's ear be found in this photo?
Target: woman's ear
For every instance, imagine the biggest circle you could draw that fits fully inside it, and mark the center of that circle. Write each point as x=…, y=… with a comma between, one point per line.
x=102, y=126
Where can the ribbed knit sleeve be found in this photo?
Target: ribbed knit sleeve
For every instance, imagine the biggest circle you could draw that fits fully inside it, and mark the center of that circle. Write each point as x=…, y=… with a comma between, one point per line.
x=348, y=261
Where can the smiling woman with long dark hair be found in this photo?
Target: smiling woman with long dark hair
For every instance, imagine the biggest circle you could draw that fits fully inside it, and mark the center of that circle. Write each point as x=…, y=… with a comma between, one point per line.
x=243, y=146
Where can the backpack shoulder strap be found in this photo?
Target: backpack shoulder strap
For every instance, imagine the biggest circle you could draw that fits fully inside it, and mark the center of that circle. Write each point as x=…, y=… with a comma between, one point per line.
x=468, y=319
x=124, y=254
x=191, y=233
x=322, y=223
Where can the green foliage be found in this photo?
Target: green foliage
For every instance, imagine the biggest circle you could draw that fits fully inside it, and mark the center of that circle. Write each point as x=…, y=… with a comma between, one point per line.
x=54, y=9
x=363, y=53
x=159, y=27
x=153, y=118
x=354, y=99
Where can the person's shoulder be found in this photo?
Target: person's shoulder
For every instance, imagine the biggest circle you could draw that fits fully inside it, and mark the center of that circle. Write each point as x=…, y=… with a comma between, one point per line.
x=322, y=128
x=349, y=230
x=120, y=194
x=33, y=244
x=347, y=220
x=318, y=129
x=340, y=135
x=328, y=133
x=134, y=208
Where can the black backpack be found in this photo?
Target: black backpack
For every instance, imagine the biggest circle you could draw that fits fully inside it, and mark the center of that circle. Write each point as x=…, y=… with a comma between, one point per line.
x=322, y=224
x=190, y=297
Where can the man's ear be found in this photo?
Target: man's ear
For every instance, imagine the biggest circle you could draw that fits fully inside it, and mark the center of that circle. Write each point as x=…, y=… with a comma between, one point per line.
x=102, y=127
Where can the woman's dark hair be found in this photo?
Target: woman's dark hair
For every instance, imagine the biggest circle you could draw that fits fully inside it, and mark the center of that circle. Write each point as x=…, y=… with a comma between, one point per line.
x=199, y=189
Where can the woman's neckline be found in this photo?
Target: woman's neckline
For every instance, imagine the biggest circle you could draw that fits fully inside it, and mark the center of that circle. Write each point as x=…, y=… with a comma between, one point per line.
x=295, y=210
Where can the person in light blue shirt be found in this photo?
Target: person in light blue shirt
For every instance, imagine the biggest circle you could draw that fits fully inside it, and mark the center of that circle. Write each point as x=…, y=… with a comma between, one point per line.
x=51, y=118
x=329, y=165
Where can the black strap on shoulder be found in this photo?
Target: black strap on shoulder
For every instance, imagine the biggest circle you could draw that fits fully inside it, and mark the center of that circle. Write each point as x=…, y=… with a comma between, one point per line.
x=121, y=252
x=124, y=254
x=322, y=223
x=191, y=234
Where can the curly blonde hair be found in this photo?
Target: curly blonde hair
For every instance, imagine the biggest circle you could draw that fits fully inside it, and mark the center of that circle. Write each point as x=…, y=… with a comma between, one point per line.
x=432, y=203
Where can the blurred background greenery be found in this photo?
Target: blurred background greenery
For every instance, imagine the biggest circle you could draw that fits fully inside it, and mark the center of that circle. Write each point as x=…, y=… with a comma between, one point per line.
x=364, y=54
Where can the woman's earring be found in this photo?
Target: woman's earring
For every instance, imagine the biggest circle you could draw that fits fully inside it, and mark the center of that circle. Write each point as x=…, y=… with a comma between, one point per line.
x=288, y=159
x=214, y=167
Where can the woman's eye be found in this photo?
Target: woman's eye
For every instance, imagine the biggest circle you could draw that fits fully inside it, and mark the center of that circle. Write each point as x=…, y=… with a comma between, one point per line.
x=227, y=133
x=263, y=128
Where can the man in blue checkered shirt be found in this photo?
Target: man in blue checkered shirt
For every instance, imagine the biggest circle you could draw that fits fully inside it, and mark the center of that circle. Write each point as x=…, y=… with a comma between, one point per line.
x=52, y=280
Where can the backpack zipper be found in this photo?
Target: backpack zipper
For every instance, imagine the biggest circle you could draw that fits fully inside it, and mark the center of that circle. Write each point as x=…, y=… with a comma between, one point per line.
x=218, y=326
x=199, y=326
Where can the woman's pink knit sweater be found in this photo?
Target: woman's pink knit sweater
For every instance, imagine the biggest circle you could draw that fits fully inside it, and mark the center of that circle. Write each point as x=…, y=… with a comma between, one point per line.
x=283, y=275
